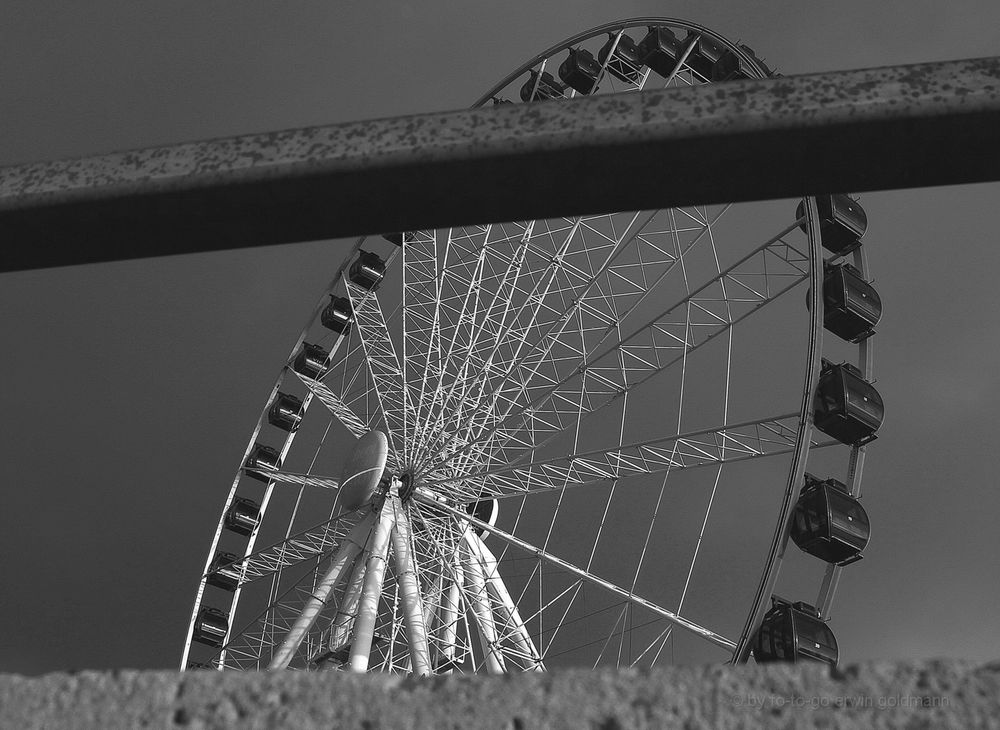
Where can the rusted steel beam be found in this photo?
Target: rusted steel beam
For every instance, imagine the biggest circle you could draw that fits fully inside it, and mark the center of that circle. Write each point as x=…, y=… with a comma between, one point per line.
x=895, y=127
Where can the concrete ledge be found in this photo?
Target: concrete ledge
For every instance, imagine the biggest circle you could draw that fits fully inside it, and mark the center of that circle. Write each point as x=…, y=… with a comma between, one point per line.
x=876, y=695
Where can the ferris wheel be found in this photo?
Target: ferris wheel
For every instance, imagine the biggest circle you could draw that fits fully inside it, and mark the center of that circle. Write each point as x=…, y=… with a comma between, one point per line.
x=579, y=441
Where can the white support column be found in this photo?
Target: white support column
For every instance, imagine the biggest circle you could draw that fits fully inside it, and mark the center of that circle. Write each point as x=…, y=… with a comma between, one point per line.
x=409, y=589
x=371, y=592
x=348, y=551
x=449, y=614
x=507, y=609
x=430, y=607
x=348, y=609
x=475, y=583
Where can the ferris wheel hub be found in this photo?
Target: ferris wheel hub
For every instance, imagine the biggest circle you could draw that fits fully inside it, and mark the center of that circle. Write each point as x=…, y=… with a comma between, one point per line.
x=407, y=484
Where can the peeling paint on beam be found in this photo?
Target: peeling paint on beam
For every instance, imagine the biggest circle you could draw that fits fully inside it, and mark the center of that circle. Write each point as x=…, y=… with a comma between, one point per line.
x=894, y=127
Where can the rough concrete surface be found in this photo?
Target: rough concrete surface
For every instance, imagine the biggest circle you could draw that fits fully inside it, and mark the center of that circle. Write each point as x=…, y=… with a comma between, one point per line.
x=933, y=694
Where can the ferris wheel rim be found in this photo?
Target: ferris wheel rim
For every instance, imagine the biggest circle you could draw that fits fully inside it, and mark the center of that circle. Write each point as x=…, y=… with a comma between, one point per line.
x=622, y=25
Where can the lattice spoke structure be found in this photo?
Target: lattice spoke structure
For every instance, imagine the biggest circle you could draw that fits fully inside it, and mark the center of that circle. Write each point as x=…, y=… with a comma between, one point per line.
x=769, y=437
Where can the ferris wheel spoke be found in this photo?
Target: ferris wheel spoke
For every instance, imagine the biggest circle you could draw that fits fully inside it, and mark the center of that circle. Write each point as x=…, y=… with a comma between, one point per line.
x=475, y=588
x=501, y=328
x=585, y=575
x=677, y=331
x=503, y=635
x=441, y=538
x=511, y=327
x=622, y=67
x=286, y=477
x=566, y=288
x=511, y=623
x=570, y=284
x=348, y=377
x=306, y=545
x=761, y=277
x=456, y=310
x=383, y=365
x=472, y=572
x=250, y=648
x=500, y=643
x=421, y=319
x=736, y=442
x=484, y=306
x=344, y=558
x=456, y=266
x=335, y=405
x=601, y=285
x=681, y=61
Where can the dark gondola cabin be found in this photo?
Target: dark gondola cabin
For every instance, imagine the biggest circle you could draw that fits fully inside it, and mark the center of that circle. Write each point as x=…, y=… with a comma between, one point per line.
x=730, y=67
x=727, y=67
x=243, y=516
x=625, y=63
x=338, y=314
x=794, y=632
x=310, y=360
x=705, y=54
x=285, y=413
x=394, y=238
x=846, y=406
x=851, y=306
x=843, y=222
x=211, y=627
x=829, y=523
x=222, y=573
x=262, y=459
x=367, y=271
x=580, y=71
x=541, y=87
x=660, y=50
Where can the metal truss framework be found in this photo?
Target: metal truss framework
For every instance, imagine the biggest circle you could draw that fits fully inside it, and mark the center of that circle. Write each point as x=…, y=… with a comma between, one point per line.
x=564, y=368
x=510, y=350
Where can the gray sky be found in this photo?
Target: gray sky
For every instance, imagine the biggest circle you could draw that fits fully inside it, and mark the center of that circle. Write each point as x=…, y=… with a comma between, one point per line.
x=130, y=388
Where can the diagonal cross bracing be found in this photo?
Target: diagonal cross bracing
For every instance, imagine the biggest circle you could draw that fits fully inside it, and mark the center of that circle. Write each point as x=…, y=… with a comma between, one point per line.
x=387, y=377
x=554, y=405
x=670, y=616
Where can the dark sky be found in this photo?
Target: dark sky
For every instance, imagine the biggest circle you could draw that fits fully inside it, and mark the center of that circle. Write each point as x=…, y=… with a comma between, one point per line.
x=129, y=389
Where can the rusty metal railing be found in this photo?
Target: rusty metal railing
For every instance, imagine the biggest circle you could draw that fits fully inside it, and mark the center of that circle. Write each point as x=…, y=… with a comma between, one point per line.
x=894, y=127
